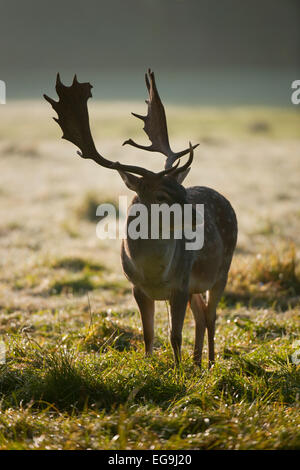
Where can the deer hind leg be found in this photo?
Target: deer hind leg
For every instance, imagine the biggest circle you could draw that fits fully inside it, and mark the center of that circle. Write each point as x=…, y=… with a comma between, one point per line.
x=178, y=304
x=198, y=307
x=214, y=297
x=146, y=308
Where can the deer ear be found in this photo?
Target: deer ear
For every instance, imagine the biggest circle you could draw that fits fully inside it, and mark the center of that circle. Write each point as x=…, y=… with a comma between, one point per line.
x=131, y=181
x=181, y=176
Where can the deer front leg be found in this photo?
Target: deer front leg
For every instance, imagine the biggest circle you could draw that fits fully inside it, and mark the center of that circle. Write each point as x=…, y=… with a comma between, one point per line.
x=146, y=308
x=198, y=308
x=214, y=297
x=178, y=304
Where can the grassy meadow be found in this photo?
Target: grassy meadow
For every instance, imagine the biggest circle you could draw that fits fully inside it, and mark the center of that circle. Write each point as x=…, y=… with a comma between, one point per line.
x=75, y=375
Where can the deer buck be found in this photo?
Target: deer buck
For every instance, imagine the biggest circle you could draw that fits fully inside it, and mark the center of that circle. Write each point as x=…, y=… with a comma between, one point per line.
x=162, y=269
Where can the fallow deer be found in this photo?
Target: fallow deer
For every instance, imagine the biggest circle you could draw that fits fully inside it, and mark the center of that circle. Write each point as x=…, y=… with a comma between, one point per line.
x=162, y=269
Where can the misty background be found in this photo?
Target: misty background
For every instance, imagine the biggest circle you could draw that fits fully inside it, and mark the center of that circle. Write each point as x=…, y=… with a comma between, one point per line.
x=208, y=52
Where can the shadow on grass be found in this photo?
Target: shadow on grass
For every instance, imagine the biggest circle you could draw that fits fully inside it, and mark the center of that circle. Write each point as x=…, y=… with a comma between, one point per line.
x=246, y=380
x=88, y=206
x=63, y=382
x=278, y=301
x=271, y=279
x=71, y=381
x=82, y=283
x=75, y=263
x=107, y=334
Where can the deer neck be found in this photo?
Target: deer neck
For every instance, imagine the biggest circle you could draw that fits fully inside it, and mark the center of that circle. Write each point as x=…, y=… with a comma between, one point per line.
x=155, y=265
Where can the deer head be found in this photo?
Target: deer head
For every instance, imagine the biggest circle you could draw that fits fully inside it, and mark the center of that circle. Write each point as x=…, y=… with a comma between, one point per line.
x=73, y=118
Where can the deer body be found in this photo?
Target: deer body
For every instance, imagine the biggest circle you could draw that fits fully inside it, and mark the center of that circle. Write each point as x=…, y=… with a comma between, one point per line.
x=162, y=269
x=158, y=267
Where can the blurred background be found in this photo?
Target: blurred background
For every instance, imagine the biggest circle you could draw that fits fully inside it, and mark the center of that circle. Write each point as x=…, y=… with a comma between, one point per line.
x=224, y=71
x=205, y=51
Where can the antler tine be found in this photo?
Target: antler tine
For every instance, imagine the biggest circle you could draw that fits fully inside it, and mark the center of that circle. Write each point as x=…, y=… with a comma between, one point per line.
x=175, y=170
x=155, y=125
x=73, y=118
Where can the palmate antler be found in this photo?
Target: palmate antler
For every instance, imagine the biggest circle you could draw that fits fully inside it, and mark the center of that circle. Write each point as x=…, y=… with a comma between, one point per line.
x=73, y=118
x=156, y=125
